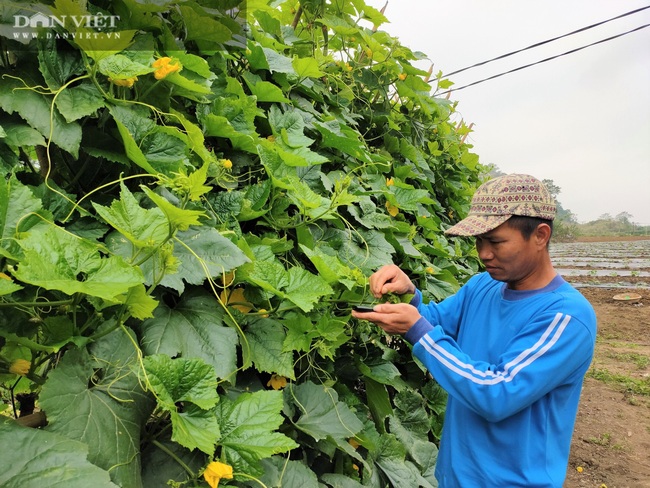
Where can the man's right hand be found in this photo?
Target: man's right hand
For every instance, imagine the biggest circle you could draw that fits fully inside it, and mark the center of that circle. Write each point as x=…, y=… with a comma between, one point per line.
x=389, y=279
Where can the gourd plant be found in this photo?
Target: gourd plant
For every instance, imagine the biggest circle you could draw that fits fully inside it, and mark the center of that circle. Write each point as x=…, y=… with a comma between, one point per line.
x=194, y=196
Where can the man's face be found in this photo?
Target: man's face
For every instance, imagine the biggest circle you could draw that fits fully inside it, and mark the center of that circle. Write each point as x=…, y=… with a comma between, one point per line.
x=507, y=256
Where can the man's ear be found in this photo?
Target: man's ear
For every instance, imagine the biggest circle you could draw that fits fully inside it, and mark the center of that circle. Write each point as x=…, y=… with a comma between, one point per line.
x=543, y=234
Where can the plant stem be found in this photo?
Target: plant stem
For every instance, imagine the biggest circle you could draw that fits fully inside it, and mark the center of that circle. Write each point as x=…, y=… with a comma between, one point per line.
x=164, y=448
x=54, y=303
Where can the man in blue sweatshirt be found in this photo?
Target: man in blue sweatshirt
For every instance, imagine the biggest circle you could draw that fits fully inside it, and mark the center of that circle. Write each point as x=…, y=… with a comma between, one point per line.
x=511, y=347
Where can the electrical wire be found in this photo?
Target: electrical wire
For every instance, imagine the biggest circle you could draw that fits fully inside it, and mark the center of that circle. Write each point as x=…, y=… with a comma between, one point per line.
x=446, y=75
x=543, y=60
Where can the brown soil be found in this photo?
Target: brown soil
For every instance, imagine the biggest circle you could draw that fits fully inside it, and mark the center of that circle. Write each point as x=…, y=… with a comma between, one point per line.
x=611, y=441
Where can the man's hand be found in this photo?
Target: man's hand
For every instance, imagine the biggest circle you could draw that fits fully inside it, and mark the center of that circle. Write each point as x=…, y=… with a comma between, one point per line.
x=389, y=279
x=394, y=318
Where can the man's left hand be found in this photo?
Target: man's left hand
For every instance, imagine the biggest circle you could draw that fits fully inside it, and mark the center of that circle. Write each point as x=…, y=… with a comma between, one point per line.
x=394, y=318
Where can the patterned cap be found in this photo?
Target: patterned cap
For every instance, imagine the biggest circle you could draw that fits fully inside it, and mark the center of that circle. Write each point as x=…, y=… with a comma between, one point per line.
x=500, y=198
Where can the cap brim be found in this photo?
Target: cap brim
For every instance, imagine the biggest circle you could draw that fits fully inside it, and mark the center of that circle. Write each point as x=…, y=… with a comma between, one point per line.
x=474, y=225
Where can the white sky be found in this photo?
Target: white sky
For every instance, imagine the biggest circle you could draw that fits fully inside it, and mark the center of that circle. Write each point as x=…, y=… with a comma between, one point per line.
x=582, y=120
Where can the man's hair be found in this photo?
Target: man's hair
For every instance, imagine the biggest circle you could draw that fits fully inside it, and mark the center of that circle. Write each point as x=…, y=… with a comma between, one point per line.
x=527, y=225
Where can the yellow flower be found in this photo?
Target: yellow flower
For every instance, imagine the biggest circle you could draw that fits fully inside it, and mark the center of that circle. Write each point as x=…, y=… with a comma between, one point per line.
x=128, y=82
x=215, y=471
x=165, y=66
x=402, y=76
x=429, y=270
x=353, y=442
x=20, y=366
x=579, y=469
x=390, y=181
x=392, y=209
x=277, y=382
x=227, y=163
x=369, y=53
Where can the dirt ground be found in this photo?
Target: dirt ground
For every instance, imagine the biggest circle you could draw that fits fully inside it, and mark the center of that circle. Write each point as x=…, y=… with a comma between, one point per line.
x=611, y=441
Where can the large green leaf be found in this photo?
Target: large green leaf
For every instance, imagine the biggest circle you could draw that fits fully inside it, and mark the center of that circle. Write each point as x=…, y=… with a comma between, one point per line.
x=79, y=101
x=143, y=227
x=109, y=404
x=204, y=252
x=37, y=111
x=287, y=474
x=57, y=260
x=266, y=339
x=190, y=381
x=320, y=413
x=17, y=202
x=247, y=429
x=32, y=458
x=193, y=328
x=296, y=285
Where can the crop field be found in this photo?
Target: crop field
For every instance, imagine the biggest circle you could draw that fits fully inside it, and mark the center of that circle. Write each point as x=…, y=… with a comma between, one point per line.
x=611, y=436
x=604, y=264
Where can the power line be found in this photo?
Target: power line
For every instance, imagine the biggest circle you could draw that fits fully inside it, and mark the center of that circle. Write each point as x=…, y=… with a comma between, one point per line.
x=546, y=41
x=543, y=60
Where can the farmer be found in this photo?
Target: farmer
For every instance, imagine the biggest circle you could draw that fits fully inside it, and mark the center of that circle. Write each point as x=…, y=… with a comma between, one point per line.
x=511, y=347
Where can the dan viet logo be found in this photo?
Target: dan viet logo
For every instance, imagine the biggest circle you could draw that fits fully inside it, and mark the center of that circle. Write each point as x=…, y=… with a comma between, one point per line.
x=87, y=26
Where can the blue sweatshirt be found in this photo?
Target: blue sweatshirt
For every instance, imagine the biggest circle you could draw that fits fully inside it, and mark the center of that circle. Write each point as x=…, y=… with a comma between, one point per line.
x=513, y=363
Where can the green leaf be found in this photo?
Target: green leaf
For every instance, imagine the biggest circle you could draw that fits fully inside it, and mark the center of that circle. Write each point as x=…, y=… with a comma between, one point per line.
x=110, y=407
x=139, y=304
x=339, y=136
x=37, y=111
x=179, y=218
x=195, y=428
x=247, y=429
x=20, y=135
x=220, y=126
x=340, y=481
x=201, y=27
x=121, y=67
x=100, y=45
x=57, y=260
x=300, y=332
x=305, y=289
x=278, y=63
x=132, y=127
x=38, y=458
x=187, y=84
x=204, y=252
x=190, y=381
x=181, y=380
x=16, y=203
x=266, y=339
x=143, y=227
x=264, y=90
x=321, y=414
x=306, y=67
x=7, y=286
x=296, y=285
x=193, y=328
x=288, y=474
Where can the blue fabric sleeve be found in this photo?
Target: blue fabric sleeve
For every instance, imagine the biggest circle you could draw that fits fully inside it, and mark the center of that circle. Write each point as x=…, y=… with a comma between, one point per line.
x=542, y=357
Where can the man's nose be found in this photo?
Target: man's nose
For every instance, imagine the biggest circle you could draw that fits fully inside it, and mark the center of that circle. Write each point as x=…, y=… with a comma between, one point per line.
x=484, y=252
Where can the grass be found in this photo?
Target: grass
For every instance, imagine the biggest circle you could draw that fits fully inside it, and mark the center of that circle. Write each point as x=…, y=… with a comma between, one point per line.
x=621, y=382
x=639, y=360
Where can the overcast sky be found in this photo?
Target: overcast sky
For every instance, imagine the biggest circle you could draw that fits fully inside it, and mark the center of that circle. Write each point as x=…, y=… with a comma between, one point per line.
x=582, y=120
